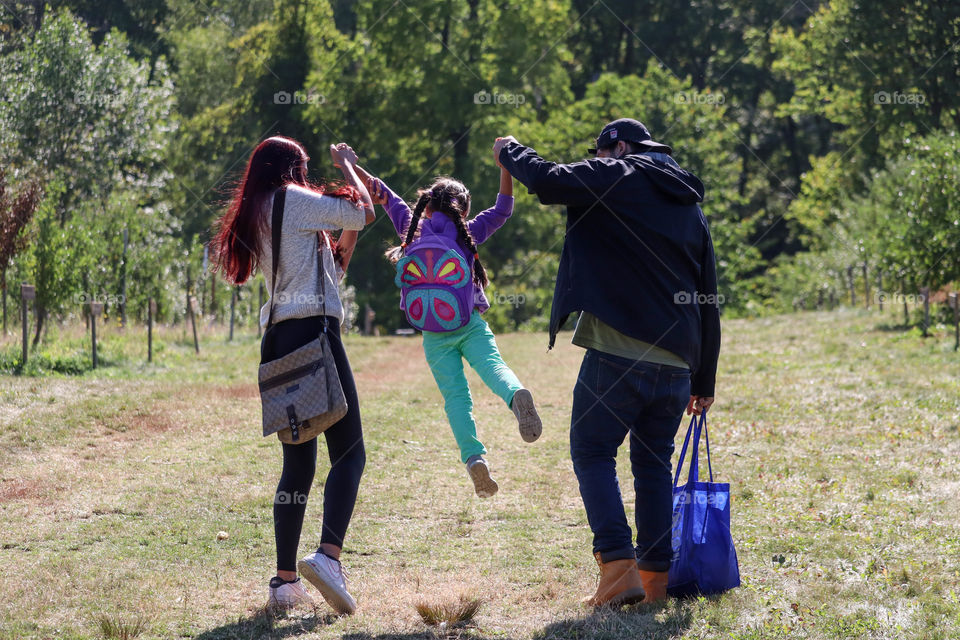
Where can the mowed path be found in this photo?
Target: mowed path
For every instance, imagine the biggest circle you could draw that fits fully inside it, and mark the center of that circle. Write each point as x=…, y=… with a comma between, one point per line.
x=840, y=441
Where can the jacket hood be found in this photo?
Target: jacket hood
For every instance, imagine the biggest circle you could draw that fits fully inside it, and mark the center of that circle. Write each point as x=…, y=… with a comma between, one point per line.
x=438, y=224
x=674, y=182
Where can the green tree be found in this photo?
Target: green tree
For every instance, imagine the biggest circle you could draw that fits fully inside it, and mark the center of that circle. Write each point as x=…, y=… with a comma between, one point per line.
x=47, y=260
x=89, y=115
x=879, y=72
x=15, y=214
x=90, y=118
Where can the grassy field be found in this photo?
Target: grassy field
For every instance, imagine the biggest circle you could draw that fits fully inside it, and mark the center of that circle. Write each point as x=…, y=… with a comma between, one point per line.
x=838, y=434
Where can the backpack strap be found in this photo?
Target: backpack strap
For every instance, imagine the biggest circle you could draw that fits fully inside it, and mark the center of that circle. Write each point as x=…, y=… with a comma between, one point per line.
x=276, y=226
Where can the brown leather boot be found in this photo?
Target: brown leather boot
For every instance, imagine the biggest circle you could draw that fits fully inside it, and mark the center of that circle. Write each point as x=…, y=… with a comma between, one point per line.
x=620, y=584
x=655, y=584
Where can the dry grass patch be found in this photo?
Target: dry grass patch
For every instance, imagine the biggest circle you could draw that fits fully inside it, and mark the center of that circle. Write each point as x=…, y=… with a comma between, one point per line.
x=115, y=627
x=449, y=613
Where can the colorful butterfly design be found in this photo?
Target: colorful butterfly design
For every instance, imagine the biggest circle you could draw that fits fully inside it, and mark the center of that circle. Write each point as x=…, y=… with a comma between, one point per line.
x=431, y=289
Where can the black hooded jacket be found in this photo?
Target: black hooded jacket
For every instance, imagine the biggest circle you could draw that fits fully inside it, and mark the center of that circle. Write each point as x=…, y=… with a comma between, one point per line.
x=637, y=252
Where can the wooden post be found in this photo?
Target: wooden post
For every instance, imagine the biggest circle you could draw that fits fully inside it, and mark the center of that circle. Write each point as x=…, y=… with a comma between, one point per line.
x=956, y=320
x=233, y=306
x=186, y=310
x=260, y=306
x=213, y=297
x=880, y=289
x=203, y=272
x=866, y=288
x=85, y=310
x=96, y=308
x=192, y=303
x=850, y=282
x=123, y=281
x=925, y=292
x=3, y=285
x=27, y=292
x=906, y=311
x=151, y=310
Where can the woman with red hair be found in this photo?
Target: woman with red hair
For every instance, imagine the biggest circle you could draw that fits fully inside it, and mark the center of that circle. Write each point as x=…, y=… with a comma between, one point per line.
x=243, y=243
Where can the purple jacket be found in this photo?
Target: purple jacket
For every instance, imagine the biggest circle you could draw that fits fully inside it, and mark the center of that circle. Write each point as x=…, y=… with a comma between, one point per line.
x=481, y=228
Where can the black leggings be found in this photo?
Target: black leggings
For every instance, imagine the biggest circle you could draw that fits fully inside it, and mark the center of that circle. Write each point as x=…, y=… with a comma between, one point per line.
x=344, y=444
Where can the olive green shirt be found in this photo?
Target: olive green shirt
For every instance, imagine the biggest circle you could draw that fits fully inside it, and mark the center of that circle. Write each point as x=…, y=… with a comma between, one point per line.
x=591, y=333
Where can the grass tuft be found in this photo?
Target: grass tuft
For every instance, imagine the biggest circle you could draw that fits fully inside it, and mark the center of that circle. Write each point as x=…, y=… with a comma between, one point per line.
x=449, y=613
x=114, y=627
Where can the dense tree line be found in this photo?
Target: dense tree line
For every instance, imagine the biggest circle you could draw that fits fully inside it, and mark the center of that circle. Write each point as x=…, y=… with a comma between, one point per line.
x=823, y=131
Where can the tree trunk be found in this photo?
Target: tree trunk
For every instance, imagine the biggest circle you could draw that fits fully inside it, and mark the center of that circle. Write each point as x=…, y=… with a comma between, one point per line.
x=796, y=158
x=461, y=155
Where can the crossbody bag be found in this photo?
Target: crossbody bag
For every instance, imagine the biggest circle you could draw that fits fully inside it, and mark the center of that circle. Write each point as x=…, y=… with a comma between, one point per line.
x=300, y=392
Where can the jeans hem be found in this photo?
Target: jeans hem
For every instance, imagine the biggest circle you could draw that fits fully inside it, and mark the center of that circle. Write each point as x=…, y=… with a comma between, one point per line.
x=624, y=553
x=653, y=565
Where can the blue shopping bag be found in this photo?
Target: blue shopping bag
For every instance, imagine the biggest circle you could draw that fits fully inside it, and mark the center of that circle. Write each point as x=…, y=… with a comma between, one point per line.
x=704, y=559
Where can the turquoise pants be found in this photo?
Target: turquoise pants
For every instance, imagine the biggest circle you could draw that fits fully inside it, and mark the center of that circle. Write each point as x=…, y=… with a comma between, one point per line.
x=445, y=353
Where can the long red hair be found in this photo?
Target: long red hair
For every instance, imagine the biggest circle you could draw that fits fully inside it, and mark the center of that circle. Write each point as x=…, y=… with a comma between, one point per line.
x=276, y=162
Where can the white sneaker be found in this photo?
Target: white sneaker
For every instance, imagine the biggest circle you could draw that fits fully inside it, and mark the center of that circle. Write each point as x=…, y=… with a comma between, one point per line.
x=286, y=595
x=326, y=574
x=483, y=484
x=528, y=420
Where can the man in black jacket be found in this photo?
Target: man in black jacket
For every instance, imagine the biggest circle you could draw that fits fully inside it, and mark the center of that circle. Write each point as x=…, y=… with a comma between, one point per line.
x=638, y=264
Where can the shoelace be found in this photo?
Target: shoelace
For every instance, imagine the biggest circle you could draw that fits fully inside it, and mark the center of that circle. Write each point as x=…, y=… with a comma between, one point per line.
x=341, y=572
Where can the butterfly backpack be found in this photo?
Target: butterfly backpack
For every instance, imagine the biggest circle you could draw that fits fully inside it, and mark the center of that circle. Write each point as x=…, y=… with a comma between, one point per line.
x=434, y=280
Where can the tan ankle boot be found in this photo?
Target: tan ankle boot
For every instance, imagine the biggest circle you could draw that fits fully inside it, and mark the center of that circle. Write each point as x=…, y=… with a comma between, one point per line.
x=655, y=584
x=620, y=584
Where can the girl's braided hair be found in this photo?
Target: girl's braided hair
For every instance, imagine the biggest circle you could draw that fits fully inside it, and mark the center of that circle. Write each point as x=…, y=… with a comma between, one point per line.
x=451, y=198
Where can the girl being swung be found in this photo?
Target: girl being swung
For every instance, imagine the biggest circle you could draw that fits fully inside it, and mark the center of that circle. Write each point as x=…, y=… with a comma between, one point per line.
x=442, y=279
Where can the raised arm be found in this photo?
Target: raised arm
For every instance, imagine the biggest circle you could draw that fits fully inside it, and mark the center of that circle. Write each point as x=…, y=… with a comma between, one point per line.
x=345, y=158
x=577, y=183
x=397, y=210
x=488, y=221
x=381, y=194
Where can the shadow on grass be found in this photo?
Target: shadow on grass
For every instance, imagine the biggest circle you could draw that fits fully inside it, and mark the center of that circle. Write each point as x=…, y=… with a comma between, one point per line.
x=641, y=621
x=888, y=327
x=465, y=633
x=264, y=624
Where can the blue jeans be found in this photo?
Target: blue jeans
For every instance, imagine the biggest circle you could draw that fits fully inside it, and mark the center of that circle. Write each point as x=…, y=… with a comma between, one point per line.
x=615, y=396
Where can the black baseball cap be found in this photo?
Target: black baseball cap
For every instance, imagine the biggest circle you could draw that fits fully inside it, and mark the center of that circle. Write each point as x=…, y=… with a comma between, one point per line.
x=627, y=130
